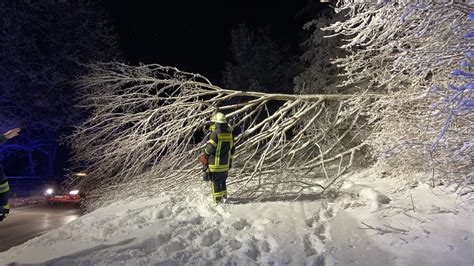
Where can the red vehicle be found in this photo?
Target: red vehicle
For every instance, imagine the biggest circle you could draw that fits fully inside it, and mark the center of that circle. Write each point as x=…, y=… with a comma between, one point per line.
x=55, y=194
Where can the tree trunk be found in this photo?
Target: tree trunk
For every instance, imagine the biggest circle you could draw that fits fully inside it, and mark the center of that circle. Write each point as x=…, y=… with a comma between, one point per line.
x=52, y=148
x=31, y=164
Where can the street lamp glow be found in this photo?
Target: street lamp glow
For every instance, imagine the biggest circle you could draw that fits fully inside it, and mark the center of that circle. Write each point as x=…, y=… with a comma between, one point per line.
x=49, y=191
x=74, y=192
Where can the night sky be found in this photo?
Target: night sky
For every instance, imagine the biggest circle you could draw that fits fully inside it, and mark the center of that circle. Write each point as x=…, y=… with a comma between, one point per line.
x=195, y=35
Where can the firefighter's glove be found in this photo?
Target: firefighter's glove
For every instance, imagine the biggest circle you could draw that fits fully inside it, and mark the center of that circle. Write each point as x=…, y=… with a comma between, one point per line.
x=203, y=159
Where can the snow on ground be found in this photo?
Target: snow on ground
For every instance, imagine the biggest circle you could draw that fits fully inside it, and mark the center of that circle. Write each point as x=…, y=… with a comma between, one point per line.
x=26, y=201
x=172, y=231
x=361, y=227
x=420, y=226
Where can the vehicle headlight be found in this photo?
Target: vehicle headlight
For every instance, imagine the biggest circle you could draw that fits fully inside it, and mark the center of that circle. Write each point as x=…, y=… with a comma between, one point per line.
x=74, y=192
x=49, y=191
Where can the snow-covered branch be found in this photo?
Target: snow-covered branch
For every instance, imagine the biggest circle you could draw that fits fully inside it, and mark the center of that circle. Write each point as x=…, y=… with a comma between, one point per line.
x=148, y=123
x=403, y=49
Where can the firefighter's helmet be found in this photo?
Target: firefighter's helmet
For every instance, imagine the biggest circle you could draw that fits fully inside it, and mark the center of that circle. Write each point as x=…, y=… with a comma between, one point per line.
x=218, y=118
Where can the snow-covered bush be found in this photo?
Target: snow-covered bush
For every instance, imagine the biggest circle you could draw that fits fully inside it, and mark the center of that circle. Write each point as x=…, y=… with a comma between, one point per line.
x=452, y=150
x=403, y=49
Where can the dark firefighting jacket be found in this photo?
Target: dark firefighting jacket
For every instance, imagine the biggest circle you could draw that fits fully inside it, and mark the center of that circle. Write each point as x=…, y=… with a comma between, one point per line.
x=4, y=188
x=220, y=149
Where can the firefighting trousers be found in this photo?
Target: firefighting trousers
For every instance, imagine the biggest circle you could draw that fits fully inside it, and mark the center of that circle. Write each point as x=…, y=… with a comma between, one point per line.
x=218, y=185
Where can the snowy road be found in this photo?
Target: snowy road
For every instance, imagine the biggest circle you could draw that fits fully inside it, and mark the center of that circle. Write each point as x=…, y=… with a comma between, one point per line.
x=28, y=222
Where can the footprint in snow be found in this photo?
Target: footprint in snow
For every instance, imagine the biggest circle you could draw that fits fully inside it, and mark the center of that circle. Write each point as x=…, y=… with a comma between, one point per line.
x=263, y=246
x=317, y=229
x=164, y=213
x=317, y=260
x=240, y=224
x=309, y=222
x=182, y=256
x=210, y=237
x=233, y=244
x=174, y=246
x=308, y=247
x=329, y=213
x=320, y=231
x=149, y=245
x=252, y=252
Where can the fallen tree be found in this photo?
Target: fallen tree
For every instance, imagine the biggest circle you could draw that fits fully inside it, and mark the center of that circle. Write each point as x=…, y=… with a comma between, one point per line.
x=147, y=122
x=147, y=127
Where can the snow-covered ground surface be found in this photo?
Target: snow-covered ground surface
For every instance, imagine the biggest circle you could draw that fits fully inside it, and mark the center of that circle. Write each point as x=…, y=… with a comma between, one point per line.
x=420, y=226
x=415, y=226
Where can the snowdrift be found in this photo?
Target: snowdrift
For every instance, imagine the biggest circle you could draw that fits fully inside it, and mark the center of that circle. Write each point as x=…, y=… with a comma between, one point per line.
x=368, y=224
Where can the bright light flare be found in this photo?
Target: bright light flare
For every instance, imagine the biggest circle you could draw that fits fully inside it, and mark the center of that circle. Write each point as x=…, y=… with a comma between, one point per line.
x=49, y=191
x=74, y=192
x=81, y=174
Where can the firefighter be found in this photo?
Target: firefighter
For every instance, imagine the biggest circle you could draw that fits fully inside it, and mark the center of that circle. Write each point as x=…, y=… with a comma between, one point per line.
x=218, y=156
x=4, y=188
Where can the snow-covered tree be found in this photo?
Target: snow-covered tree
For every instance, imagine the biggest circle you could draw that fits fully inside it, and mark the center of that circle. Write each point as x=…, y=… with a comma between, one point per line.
x=258, y=62
x=402, y=49
x=453, y=148
x=43, y=48
x=320, y=74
